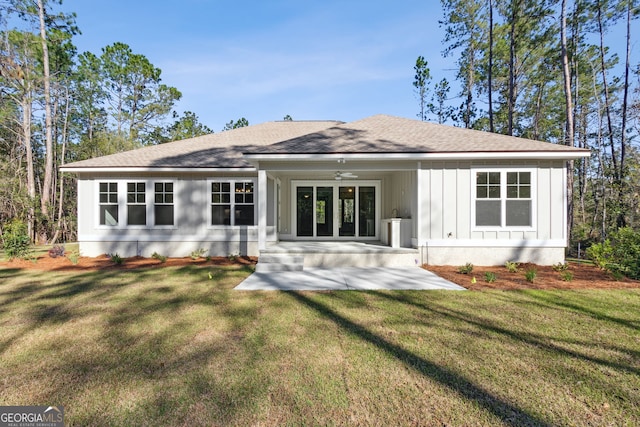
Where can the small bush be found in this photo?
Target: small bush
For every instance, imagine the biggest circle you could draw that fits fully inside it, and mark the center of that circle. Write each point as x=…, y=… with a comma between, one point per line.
x=530, y=275
x=74, y=257
x=56, y=251
x=16, y=241
x=566, y=275
x=620, y=255
x=560, y=267
x=489, y=277
x=116, y=259
x=512, y=267
x=161, y=258
x=465, y=269
x=198, y=253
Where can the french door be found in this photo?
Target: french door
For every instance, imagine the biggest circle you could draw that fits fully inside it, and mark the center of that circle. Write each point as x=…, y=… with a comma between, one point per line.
x=326, y=209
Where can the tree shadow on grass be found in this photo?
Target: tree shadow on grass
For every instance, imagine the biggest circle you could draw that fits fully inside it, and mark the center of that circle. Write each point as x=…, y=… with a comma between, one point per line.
x=505, y=411
x=537, y=340
x=553, y=300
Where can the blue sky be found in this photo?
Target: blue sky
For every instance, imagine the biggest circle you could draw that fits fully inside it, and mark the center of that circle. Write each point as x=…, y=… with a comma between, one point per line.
x=261, y=60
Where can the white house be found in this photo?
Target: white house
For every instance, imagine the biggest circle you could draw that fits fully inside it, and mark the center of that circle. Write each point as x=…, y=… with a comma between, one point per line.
x=448, y=195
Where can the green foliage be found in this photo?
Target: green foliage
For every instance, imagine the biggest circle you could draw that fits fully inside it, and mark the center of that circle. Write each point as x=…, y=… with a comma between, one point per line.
x=242, y=122
x=421, y=82
x=566, y=275
x=15, y=239
x=161, y=258
x=56, y=251
x=511, y=266
x=198, y=253
x=116, y=259
x=465, y=269
x=620, y=254
x=489, y=277
x=74, y=257
x=560, y=266
x=530, y=274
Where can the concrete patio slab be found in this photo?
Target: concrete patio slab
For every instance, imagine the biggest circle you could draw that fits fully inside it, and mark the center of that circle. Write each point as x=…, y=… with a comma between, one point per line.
x=347, y=278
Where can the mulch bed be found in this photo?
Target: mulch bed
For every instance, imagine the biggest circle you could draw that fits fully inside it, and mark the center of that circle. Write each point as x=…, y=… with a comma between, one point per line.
x=104, y=262
x=585, y=276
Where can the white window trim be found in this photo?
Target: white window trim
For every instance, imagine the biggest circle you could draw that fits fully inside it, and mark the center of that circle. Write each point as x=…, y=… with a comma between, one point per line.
x=232, y=182
x=152, y=214
x=98, y=204
x=503, y=198
x=149, y=204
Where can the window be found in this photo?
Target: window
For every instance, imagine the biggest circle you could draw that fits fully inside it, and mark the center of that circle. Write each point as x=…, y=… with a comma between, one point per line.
x=243, y=203
x=503, y=199
x=163, y=203
x=108, y=203
x=136, y=204
x=232, y=203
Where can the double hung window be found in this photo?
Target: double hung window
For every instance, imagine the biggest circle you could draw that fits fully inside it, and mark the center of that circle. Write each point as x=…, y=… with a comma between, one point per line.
x=108, y=203
x=163, y=203
x=136, y=203
x=503, y=198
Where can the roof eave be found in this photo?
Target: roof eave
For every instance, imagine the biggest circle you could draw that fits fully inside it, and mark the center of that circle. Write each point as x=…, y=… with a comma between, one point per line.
x=130, y=169
x=484, y=155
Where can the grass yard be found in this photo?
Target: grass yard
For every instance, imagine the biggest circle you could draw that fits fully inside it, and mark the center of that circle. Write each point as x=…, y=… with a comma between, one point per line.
x=178, y=346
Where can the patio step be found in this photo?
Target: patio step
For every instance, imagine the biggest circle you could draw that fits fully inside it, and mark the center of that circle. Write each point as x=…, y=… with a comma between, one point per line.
x=279, y=262
x=338, y=254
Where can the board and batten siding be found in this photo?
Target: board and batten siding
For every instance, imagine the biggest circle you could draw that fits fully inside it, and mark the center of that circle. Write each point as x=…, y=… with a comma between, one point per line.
x=446, y=229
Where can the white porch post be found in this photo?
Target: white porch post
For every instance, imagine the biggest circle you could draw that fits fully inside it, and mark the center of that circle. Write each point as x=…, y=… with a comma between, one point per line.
x=262, y=209
x=419, y=212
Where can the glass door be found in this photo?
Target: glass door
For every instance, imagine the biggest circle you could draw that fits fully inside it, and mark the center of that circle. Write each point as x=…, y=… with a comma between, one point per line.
x=304, y=211
x=346, y=211
x=324, y=211
x=367, y=211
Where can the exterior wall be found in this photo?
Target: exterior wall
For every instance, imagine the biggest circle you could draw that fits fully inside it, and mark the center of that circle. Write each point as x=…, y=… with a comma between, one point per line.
x=446, y=234
x=191, y=218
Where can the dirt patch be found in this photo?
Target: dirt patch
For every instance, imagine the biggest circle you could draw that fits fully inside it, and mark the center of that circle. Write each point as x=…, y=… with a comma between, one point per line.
x=585, y=276
x=103, y=262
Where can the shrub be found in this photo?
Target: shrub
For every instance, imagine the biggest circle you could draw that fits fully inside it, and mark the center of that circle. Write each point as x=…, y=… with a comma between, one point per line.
x=56, y=251
x=530, y=275
x=73, y=257
x=620, y=254
x=198, y=253
x=16, y=241
x=566, y=275
x=161, y=258
x=489, y=277
x=560, y=266
x=465, y=269
x=512, y=267
x=116, y=259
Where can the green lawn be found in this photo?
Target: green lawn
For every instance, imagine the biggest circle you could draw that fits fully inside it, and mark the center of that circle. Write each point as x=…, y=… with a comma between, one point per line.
x=171, y=346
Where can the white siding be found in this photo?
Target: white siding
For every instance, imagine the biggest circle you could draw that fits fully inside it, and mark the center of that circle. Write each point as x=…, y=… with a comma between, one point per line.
x=191, y=230
x=446, y=226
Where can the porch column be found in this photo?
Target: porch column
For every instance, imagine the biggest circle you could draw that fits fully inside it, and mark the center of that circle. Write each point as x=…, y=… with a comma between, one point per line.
x=418, y=197
x=262, y=209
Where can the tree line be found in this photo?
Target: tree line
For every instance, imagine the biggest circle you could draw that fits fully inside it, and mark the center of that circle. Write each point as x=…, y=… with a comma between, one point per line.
x=542, y=69
x=58, y=105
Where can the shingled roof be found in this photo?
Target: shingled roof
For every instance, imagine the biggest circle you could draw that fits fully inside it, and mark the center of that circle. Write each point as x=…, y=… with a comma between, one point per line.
x=216, y=150
x=373, y=135
x=388, y=134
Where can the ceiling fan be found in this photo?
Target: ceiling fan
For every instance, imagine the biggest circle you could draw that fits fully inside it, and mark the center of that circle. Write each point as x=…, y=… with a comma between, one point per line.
x=344, y=175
